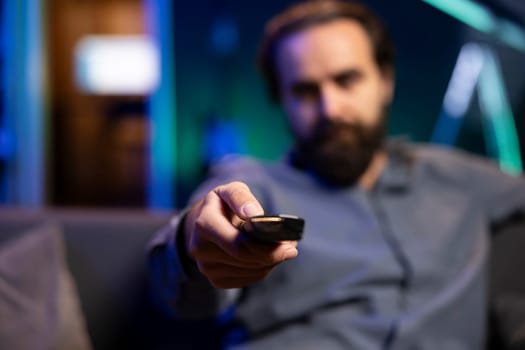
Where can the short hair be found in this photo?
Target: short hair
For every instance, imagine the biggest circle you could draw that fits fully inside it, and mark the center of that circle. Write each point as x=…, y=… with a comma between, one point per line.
x=314, y=12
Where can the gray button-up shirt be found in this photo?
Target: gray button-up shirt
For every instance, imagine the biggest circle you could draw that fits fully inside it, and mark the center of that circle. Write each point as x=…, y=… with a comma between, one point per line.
x=401, y=267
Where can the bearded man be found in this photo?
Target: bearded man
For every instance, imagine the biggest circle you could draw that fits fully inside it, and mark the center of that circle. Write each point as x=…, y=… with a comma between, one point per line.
x=396, y=236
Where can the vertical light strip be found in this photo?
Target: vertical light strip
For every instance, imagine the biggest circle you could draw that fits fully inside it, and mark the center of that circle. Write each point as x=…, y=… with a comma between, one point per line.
x=477, y=66
x=25, y=112
x=162, y=109
x=500, y=129
x=459, y=94
x=6, y=146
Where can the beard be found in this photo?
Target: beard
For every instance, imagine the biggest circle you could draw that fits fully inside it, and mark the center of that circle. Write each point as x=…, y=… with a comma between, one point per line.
x=339, y=153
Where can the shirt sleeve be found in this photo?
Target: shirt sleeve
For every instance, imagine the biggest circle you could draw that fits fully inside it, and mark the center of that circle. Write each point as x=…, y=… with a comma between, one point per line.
x=178, y=287
x=502, y=195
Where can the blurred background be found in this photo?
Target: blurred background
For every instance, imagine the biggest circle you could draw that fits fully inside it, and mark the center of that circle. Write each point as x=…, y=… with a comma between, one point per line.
x=126, y=103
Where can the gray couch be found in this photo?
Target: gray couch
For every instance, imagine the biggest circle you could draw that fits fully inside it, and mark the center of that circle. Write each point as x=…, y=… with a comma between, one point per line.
x=105, y=252
x=507, y=286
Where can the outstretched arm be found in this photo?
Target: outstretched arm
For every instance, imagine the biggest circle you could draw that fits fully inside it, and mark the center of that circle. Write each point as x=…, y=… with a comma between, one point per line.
x=198, y=260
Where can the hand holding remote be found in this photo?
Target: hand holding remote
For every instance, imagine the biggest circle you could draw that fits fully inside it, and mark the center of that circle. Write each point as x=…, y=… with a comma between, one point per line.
x=221, y=251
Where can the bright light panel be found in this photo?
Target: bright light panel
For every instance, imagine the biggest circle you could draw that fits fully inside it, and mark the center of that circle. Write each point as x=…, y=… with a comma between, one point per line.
x=116, y=65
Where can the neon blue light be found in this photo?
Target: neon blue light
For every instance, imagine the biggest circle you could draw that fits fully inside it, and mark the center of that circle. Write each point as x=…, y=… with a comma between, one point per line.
x=24, y=98
x=163, y=134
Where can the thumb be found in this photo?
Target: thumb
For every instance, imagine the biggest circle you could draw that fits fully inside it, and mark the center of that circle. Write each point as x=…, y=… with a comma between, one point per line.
x=239, y=199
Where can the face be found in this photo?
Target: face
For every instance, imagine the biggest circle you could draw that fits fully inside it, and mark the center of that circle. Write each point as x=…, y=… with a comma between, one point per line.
x=328, y=72
x=335, y=97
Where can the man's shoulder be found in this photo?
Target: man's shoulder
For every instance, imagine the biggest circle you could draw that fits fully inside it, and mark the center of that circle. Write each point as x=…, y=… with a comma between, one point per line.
x=452, y=162
x=442, y=154
x=437, y=152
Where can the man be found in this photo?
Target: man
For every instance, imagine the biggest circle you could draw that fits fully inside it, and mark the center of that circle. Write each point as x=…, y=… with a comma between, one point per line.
x=396, y=235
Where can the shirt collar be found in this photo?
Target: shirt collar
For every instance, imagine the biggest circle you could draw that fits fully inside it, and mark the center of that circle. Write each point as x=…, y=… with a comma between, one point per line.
x=396, y=175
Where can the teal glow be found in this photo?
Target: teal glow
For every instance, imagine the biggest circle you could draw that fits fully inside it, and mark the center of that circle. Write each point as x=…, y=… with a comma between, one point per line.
x=512, y=35
x=163, y=129
x=500, y=129
x=467, y=12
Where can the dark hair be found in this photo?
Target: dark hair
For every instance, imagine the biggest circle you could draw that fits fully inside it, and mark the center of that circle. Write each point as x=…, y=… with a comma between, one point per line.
x=310, y=13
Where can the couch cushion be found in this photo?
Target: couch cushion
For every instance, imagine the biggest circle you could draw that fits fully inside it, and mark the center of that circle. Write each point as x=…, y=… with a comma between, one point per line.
x=105, y=252
x=38, y=298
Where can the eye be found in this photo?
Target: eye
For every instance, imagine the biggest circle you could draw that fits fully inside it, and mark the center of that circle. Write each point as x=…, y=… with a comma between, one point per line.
x=305, y=90
x=348, y=79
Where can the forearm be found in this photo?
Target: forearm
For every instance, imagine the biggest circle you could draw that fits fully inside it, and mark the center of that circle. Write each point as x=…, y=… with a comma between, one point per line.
x=178, y=286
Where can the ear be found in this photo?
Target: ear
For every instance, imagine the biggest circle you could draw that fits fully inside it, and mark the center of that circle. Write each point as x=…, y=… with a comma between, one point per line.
x=388, y=76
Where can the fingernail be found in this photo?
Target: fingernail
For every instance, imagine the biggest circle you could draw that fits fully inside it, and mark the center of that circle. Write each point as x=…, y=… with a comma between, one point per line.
x=252, y=209
x=290, y=254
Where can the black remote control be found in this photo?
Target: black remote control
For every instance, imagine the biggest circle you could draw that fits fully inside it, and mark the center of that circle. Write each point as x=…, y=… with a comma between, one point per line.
x=274, y=228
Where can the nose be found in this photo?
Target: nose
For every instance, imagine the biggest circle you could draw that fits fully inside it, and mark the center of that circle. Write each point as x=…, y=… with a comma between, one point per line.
x=331, y=102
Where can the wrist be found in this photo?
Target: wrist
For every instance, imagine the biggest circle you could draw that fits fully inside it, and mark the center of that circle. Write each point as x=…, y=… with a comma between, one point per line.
x=188, y=264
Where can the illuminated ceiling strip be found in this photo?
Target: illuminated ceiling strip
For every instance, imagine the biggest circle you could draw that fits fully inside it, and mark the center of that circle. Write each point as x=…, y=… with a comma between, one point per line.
x=500, y=130
x=482, y=19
